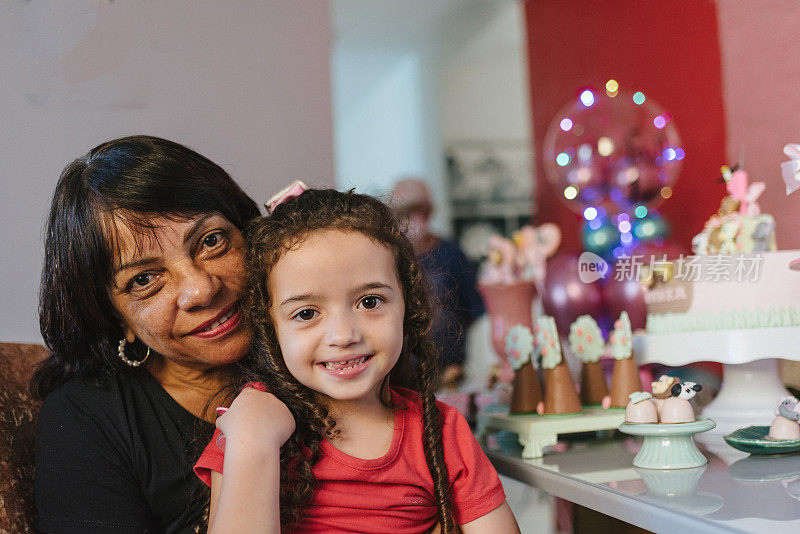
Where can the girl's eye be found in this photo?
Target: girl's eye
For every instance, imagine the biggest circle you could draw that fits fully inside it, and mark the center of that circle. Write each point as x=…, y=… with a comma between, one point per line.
x=370, y=302
x=306, y=315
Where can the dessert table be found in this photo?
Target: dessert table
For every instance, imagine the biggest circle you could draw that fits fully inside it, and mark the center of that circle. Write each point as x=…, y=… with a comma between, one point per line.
x=751, y=386
x=749, y=494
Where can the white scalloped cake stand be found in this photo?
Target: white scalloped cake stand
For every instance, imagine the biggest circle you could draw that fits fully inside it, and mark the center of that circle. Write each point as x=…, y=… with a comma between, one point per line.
x=751, y=387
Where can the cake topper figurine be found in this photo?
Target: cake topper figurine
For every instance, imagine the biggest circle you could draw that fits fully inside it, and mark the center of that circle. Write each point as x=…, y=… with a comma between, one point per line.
x=586, y=342
x=791, y=168
x=676, y=408
x=526, y=392
x=560, y=396
x=785, y=425
x=736, y=184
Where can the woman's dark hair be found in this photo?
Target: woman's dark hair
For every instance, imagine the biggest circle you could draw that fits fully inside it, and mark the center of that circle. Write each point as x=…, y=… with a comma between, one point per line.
x=268, y=239
x=137, y=178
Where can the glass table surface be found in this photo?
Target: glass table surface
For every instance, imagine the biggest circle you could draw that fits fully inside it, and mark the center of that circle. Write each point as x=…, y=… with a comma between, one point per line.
x=734, y=492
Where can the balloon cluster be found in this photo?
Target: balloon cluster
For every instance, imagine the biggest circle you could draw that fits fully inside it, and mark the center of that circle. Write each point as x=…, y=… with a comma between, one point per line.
x=613, y=157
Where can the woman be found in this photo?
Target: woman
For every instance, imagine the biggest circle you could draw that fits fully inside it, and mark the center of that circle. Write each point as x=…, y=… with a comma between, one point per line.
x=139, y=306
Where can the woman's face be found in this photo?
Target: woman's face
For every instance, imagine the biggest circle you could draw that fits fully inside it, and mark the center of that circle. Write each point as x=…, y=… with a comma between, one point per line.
x=177, y=289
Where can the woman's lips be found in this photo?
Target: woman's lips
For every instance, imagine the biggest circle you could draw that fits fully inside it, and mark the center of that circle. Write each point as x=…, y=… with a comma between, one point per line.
x=349, y=368
x=220, y=325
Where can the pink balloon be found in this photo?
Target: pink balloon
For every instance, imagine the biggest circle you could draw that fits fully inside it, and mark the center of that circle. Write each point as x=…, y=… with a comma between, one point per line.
x=565, y=296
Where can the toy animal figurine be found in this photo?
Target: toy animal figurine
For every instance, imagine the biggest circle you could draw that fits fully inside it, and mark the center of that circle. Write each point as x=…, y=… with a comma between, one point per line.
x=662, y=389
x=677, y=409
x=785, y=425
x=641, y=408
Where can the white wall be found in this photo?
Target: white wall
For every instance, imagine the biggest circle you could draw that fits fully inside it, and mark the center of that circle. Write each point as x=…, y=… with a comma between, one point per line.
x=385, y=97
x=483, y=76
x=245, y=83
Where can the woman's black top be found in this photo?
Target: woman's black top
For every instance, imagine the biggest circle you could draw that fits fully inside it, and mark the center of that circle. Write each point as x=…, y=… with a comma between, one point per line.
x=117, y=459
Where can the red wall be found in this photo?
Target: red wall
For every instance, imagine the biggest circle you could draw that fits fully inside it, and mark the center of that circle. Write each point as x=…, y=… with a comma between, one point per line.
x=667, y=49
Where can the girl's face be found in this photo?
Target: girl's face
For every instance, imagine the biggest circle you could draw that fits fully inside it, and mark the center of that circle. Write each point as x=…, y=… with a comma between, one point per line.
x=178, y=289
x=338, y=309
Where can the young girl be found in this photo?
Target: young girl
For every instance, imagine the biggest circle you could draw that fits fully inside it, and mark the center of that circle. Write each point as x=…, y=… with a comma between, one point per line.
x=340, y=320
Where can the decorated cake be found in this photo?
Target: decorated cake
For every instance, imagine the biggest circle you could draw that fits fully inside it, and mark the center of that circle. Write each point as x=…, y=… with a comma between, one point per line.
x=735, y=278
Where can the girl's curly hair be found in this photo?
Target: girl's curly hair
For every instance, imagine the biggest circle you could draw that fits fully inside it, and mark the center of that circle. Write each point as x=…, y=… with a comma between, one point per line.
x=417, y=368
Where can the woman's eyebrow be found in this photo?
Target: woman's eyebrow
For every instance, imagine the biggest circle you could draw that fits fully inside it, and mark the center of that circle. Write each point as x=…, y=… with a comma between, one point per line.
x=193, y=230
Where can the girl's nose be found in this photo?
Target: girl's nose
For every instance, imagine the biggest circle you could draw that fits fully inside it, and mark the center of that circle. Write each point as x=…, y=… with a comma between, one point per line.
x=197, y=288
x=343, y=330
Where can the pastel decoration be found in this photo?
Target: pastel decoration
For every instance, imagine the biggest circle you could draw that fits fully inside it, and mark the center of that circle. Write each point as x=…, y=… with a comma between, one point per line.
x=641, y=408
x=547, y=342
x=622, y=338
x=519, y=346
x=294, y=189
x=791, y=169
x=586, y=339
x=639, y=396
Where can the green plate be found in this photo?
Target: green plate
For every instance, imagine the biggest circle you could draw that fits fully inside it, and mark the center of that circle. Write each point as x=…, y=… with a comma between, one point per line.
x=754, y=440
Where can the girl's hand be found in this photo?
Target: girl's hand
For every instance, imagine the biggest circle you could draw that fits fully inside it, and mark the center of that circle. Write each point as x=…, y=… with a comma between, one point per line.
x=256, y=420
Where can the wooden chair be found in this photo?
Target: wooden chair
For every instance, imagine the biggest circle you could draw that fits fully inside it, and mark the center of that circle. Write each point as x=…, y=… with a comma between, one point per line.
x=18, y=413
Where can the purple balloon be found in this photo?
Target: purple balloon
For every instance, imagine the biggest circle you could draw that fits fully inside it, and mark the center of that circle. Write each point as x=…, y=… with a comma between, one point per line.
x=565, y=296
x=627, y=295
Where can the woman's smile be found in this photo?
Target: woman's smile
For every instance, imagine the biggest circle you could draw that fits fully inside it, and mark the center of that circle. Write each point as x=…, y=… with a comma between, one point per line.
x=219, y=325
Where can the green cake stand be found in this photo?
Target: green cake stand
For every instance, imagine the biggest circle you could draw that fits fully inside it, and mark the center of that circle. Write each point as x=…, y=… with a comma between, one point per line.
x=668, y=446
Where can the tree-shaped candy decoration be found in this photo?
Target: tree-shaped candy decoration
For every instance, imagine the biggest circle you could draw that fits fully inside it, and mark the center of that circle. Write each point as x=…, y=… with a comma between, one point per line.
x=527, y=392
x=559, y=389
x=625, y=379
x=587, y=343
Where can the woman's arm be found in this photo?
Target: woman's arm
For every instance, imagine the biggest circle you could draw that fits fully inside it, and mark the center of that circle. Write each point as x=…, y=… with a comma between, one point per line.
x=246, y=498
x=500, y=520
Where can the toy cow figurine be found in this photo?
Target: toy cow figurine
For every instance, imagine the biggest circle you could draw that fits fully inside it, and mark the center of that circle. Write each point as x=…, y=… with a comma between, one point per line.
x=677, y=409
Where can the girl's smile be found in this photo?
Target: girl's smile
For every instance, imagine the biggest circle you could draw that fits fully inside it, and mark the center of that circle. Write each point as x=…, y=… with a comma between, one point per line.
x=338, y=310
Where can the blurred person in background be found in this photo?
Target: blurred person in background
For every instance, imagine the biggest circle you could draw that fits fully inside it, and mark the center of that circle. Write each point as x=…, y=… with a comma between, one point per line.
x=450, y=276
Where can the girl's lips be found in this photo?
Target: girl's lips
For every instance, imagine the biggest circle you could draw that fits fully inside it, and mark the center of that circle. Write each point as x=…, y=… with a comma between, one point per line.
x=223, y=328
x=347, y=368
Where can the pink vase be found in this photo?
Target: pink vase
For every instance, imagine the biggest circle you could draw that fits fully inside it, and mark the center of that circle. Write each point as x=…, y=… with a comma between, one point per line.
x=508, y=305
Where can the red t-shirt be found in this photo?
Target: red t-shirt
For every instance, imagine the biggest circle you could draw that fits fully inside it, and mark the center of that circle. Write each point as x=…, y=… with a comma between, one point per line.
x=394, y=493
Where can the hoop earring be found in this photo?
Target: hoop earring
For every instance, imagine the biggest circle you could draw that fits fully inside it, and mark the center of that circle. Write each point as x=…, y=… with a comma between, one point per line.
x=131, y=363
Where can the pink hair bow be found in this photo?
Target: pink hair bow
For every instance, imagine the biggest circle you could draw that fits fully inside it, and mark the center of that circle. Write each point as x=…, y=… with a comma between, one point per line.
x=791, y=168
x=294, y=189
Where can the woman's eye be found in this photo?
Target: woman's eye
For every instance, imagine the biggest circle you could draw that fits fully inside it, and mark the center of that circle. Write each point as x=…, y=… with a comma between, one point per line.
x=211, y=240
x=142, y=280
x=371, y=302
x=306, y=315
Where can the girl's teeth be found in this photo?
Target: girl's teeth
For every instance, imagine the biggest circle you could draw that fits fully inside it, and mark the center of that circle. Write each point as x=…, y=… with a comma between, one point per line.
x=349, y=364
x=215, y=324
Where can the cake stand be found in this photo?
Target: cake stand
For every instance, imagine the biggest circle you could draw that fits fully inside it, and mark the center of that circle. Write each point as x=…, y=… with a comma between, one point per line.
x=751, y=387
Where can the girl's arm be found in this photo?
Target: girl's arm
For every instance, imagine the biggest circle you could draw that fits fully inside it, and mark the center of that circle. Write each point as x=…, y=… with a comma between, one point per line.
x=246, y=498
x=500, y=520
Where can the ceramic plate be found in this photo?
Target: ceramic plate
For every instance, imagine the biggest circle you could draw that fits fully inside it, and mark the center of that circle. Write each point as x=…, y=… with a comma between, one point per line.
x=753, y=439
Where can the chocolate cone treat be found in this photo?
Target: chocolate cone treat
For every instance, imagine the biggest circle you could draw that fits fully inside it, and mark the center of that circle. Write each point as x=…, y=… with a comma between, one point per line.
x=586, y=342
x=560, y=396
